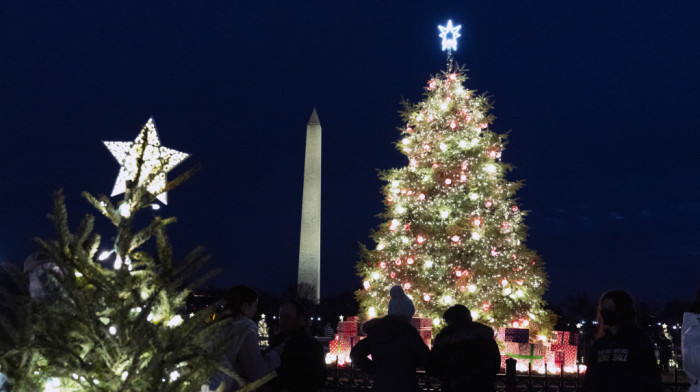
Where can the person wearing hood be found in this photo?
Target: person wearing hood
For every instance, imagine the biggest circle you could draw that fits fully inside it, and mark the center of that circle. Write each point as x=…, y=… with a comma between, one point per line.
x=465, y=355
x=244, y=356
x=395, y=346
x=622, y=357
x=690, y=344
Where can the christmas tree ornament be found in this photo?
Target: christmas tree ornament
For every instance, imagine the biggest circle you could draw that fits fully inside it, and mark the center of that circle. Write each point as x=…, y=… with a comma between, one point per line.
x=147, y=159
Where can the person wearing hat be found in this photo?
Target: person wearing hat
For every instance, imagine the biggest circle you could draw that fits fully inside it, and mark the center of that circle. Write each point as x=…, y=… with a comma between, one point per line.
x=395, y=346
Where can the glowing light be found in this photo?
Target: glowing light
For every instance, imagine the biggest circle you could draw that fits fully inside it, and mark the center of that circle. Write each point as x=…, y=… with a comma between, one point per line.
x=476, y=236
x=483, y=125
x=400, y=209
x=448, y=181
x=473, y=196
x=490, y=168
x=436, y=321
x=421, y=196
x=477, y=221
x=455, y=238
x=175, y=321
x=125, y=209
x=397, y=262
x=426, y=147
x=104, y=255
x=380, y=246
x=125, y=375
x=409, y=261
x=475, y=314
x=157, y=161
x=78, y=274
x=492, y=154
x=382, y=265
x=444, y=214
x=462, y=143
x=458, y=273
x=453, y=125
x=443, y=146
x=447, y=300
x=494, y=252
x=507, y=291
x=406, y=286
x=526, y=323
x=516, y=324
x=117, y=262
x=394, y=184
x=504, y=282
x=409, y=129
x=150, y=317
x=443, y=106
x=515, y=208
x=372, y=312
x=449, y=35
x=432, y=84
x=155, y=206
x=519, y=293
x=406, y=141
x=112, y=330
x=420, y=239
x=394, y=224
x=488, y=203
x=463, y=177
x=375, y=275
x=428, y=264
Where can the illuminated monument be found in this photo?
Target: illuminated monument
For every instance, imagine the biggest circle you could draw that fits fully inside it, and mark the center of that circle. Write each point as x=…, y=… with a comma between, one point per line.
x=310, y=241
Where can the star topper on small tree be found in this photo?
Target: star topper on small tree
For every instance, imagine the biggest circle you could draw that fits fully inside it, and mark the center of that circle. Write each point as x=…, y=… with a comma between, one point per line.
x=155, y=161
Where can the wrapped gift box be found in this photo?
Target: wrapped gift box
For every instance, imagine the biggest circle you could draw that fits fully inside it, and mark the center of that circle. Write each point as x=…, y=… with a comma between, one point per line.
x=422, y=323
x=339, y=347
x=501, y=334
x=347, y=329
x=427, y=337
x=565, y=338
x=526, y=353
x=562, y=354
x=516, y=335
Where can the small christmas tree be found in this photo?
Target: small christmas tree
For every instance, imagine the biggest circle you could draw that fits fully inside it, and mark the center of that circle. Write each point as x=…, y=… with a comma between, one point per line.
x=262, y=331
x=453, y=231
x=117, y=321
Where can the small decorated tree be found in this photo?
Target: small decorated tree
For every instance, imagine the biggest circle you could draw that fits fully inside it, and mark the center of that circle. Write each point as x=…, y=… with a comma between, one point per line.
x=453, y=231
x=116, y=320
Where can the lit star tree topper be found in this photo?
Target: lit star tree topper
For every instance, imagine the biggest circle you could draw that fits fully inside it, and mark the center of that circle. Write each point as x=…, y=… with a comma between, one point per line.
x=449, y=35
x=157, y=161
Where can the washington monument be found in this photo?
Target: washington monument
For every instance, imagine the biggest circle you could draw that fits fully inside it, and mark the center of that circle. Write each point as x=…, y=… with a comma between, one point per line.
x=310, y=241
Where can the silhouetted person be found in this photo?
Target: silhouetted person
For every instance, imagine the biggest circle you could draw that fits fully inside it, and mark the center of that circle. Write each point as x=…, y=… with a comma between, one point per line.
x=690, y=344
x=244, y=356
x=465, y=355
x=303, y=366
x=396, y=347
x=622, y=356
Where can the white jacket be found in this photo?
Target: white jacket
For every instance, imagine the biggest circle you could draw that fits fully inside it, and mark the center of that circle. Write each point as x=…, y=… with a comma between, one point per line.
x=690, y=349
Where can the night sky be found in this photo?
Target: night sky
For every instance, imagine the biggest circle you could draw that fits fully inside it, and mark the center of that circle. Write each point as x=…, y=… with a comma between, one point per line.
x=601, y=98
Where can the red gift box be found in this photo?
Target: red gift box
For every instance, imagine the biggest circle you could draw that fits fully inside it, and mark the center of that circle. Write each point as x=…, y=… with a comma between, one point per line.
x=565, y=338
x=562, y=354
x=347, y=329
x=517, y=335
x=501, y=334
x=421, y=323
x=526, y=353
x=339, y=347
x=427, y=337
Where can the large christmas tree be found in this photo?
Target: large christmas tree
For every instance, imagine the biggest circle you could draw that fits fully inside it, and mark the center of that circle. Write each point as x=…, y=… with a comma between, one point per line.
x=453, y=231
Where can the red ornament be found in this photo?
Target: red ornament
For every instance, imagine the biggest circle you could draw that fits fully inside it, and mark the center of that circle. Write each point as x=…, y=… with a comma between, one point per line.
x=515, y=208
x=486, y=306
x=426, y=147
x=458, y=273
x=453, y=76
x=494, y=252
x=406, y=286
x=409, y=130
x=397, y=262
x=488, y=203
x=492, y=154
x=455, y=239
x=407, y=227
x=483, y=125
x=477, y=221
x=453, y=125
x=393, y=275
x=505, y=225
x=435, y=165
x=432, y=85
x=513, y=256
x=448, y=99
x=382, y=265
x=468, y=117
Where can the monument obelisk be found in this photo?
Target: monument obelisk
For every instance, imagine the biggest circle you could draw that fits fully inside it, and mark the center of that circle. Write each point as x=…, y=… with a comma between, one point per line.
x=310, y=241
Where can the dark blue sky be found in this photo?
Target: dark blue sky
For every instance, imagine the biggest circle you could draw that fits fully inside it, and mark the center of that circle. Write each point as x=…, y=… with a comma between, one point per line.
x=601, y=97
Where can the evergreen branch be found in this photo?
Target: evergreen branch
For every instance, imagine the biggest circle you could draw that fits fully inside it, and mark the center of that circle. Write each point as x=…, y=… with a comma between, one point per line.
x=179, y=180
x=105, y=206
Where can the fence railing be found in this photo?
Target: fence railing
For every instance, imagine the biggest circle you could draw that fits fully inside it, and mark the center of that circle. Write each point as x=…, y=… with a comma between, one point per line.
x=350, y=378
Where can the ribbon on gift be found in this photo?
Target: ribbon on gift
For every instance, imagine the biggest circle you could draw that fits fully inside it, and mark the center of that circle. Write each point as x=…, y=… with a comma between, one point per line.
x=530, y=357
